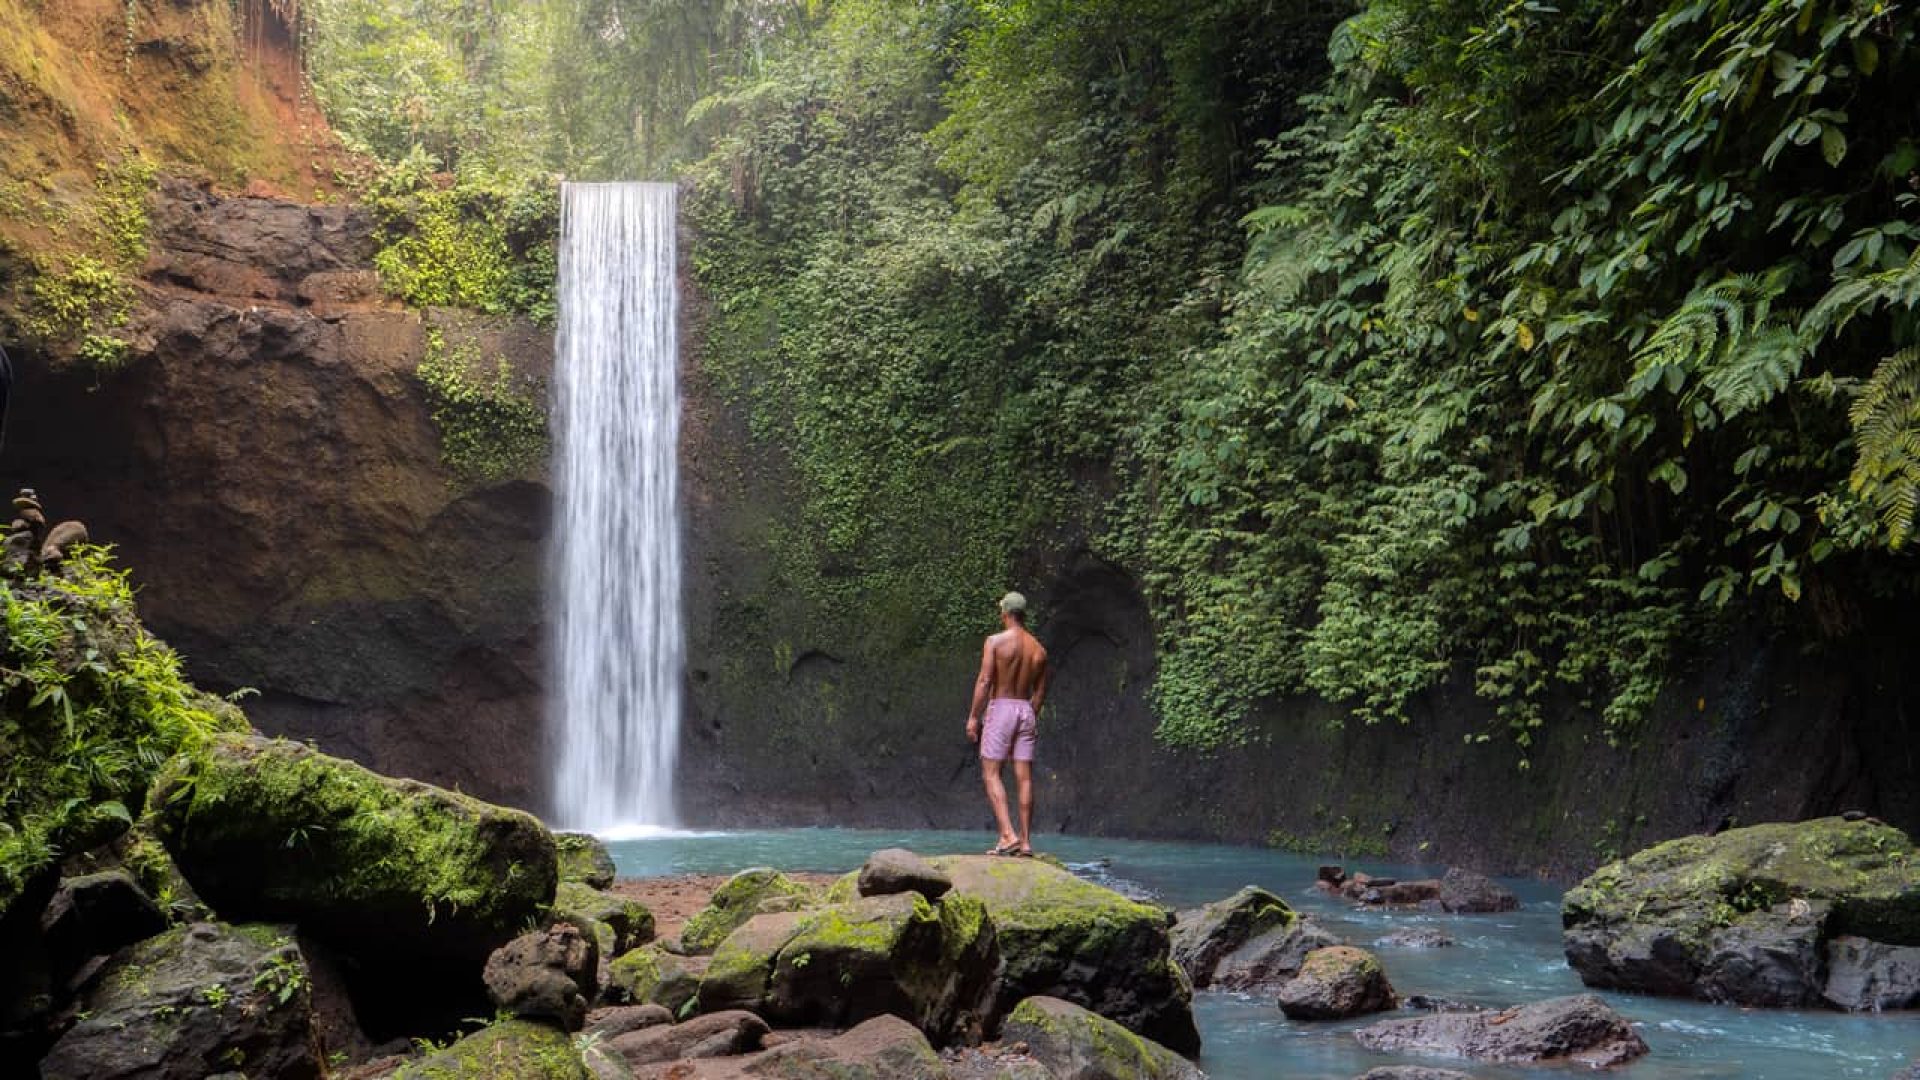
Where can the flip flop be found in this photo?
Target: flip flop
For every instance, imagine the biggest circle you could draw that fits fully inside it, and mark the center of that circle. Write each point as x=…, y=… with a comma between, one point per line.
x=1018, y=854
x=1005, y=851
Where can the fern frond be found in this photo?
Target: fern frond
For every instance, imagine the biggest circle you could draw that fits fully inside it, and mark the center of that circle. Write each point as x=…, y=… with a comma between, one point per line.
x=1886, y=434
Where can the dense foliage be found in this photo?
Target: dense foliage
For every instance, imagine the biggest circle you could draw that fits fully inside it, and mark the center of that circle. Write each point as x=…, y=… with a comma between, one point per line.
x=1386, y=343
x=90, y=708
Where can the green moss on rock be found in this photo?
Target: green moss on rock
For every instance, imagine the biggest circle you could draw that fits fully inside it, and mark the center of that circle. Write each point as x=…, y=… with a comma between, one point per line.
x=510, y=1050
x=746, y=894
x=1072, y=1041
x=583, y=858
x=628, y=923
x=272, y=829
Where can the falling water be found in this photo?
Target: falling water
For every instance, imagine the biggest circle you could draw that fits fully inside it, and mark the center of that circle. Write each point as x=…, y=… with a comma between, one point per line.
x=618, y=647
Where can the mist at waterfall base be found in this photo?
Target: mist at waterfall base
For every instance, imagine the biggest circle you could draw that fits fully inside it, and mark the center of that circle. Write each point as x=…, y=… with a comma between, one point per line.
x=1499, y=960
x=618, y=648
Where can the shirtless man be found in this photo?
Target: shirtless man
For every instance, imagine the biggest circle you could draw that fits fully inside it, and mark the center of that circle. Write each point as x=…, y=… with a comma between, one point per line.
x=1007, y=697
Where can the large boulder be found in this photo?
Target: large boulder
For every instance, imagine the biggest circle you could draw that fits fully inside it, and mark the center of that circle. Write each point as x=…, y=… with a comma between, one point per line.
x=583, y=858
x=509, y=1050
x=1080, y=1045
x=1867, y=976
x=1064, y=937
x=1336, y=983
x=1574, y=1030
x=1744, y=916
x=1463, y=892
x=1251, y=940
x=384, y=869
x=546, y=975
x=932, y=964
x=96, y=915
x=718, y=1034
x=193, y=1001
x=748, y=893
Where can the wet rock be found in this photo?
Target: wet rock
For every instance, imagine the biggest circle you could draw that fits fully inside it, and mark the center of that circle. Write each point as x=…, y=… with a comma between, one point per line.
x=1335, y=983
x=509, y=1050
x=1080, y=1045
x=1463, y=892
x=96, y=915
x=1415, y=938
x=618, y=924
x=883, y=1048
x=545, y=975
x=1580, y=1029
x=844, y=963
x=191, y=1002
x=741, y=898
x=1267, y=960
x=897, y=870
x=1867, y=976
x=614, y=1022
x=652, y=975
x=1429, y=1003
x=1398, y=893
x=583, y=858
x=716, y=1034
x=1911, y=1072
x=1064, y=937
x=1743, y=916
x=1202, y=937
x=1411, y=1072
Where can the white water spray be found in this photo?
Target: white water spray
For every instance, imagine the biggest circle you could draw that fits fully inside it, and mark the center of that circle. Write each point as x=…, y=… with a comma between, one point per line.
x=618, y=645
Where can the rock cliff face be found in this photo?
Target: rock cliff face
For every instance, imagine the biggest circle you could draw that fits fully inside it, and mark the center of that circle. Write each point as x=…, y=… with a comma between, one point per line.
x=266, y=460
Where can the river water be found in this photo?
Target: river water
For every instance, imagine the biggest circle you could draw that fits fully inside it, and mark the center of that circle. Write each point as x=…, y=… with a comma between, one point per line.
x=1500, y=960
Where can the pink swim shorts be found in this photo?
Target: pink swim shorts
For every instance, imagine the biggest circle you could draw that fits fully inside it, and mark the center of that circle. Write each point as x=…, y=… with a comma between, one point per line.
x=1009, y=726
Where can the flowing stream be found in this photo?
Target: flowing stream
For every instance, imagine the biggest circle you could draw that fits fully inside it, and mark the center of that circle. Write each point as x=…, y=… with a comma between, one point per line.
x=618, y=647
x=1500, y=960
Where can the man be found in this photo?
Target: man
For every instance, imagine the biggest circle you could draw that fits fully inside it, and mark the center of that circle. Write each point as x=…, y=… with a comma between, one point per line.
x=1006, y=700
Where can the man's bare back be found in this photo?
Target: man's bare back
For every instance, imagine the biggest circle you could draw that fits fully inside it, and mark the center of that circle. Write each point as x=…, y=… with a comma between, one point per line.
x=1003, y=719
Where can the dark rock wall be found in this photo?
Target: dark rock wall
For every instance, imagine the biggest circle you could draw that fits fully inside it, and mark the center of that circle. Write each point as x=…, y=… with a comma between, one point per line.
x=266, y=465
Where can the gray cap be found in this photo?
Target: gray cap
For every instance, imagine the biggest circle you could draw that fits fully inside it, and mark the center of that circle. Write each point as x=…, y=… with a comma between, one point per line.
x=1013, y=604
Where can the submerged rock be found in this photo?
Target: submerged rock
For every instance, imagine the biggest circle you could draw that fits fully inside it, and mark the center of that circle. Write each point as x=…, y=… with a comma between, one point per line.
x=746, y=894
x=545, y=975
x=383, y=869
x=1580, y=1029
x=1744, y=916
x=1411, y=1072
x=1251, y=940
x=1076, y=1044
x=1064, y=937
x=509, y=1050
x=843, y=963
x=194, y=1001
x=1415, y=938
x=1336, y=983
x=583, y=858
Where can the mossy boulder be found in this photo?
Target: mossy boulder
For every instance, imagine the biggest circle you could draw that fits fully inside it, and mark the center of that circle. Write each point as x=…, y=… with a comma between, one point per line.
x=509, y=1050
x=748, y=893
x=1743, y=916
x=883, y=1048
x=652, y=976
x=1063, y=937
x=618, y=924
x=1336, y=983
x=583, y=858
x=272, y=830
x=196, y=1000
x=1250, y=940
x=1076, y=1044
x=931, y=964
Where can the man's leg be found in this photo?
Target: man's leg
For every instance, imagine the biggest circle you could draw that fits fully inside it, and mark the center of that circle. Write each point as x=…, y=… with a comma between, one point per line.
x=997, y=795
x=1023, y=778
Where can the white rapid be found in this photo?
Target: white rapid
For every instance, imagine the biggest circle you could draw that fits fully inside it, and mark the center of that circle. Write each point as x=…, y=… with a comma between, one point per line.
x=618, y=648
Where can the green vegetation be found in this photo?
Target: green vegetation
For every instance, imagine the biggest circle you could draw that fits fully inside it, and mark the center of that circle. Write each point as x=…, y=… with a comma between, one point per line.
x=90, y=707
x=738, y=900
x=80, y=301
x=508, y=1050
x=493, y=424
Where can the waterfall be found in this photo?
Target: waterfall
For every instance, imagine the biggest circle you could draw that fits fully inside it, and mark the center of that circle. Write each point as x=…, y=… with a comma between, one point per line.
x=618, y=647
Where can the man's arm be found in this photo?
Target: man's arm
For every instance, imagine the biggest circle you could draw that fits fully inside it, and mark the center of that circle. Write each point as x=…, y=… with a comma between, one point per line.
x=1040, y=685
x=982, y=690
